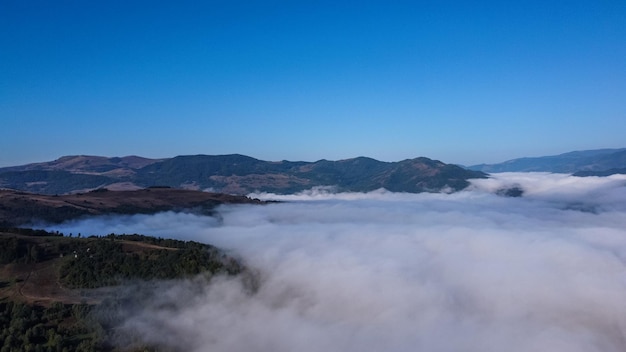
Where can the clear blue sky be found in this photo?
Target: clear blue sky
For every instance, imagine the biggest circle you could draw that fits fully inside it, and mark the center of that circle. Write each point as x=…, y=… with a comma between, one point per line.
x=459, y=81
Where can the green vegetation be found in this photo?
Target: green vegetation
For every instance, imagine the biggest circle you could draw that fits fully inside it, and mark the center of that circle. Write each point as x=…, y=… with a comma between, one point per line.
x=50, y=322
x=15, y=249
x=60, y=327
x=100, y=262
x=65, y=327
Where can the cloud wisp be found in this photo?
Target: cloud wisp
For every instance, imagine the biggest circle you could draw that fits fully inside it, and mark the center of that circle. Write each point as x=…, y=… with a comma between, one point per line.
x=468, y=271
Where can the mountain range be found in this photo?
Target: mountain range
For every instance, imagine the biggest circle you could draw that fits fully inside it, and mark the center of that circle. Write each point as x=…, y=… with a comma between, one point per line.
x=599, y=162
x=234, y=174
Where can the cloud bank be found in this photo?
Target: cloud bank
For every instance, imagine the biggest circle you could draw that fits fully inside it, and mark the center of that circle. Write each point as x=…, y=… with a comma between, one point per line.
x=469, y=271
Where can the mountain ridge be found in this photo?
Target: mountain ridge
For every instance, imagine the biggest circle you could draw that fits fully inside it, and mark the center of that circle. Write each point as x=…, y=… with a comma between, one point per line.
x=595, y=160
x=234, y=174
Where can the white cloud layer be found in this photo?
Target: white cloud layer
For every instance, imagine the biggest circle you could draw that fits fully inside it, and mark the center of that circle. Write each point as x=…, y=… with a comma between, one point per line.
x=469, y=271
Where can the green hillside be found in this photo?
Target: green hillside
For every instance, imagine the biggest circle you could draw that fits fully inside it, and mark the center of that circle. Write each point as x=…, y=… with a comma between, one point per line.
x=61, y=293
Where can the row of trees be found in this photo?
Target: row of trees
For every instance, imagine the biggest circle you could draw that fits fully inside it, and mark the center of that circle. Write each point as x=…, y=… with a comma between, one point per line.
x=158, y=241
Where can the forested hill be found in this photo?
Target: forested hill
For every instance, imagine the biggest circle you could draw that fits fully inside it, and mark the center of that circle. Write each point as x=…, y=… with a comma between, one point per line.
x=60, y=293
x=64, y=262
x=18, y=208
x=234, y=174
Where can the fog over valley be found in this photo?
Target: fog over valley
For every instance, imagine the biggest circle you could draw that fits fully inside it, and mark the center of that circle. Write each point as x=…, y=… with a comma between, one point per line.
x=477, y=270
x=313, y=176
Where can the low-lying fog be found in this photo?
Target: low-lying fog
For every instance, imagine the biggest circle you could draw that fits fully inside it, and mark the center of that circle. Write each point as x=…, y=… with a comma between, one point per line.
x=469, y=271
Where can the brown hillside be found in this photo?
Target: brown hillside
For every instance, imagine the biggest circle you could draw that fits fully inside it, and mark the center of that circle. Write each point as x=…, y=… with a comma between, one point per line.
x=17, y=208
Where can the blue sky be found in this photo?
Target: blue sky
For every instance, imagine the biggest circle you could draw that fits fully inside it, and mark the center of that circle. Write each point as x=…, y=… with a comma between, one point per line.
x=459, y=81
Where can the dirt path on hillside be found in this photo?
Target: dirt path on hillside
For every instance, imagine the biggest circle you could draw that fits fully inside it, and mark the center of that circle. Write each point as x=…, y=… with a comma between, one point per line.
x=134, y=246
x=41, y=286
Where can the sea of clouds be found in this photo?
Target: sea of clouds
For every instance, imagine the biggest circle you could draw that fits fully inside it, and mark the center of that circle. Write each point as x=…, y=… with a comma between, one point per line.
x=380, y=271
